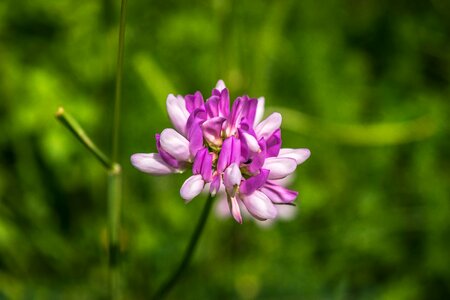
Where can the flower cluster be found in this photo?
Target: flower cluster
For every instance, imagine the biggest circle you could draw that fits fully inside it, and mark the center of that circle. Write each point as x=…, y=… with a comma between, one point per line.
x=227, y=149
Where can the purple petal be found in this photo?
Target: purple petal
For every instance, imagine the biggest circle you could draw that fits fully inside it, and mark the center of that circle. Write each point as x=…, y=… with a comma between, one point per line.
x=234, y=209
x=198, y=116
x=212, y=106
x=224, y=104
x=192, y=187
x=169, y=159
x=259, y=111
x=175, y=144
x=243, y=108
x=259, y=206
x=195, y=139
x=231, y=178
x=203, y=164
x=215, y=184
x=274, y=144
x=194, y=102
x=280, y=167
x=230, y=153
x=267, y=127
x=300, y=155
x=279, y=194
x=178, y=114
x=253, y=183
x=151, y=163
x=212, y=130
x=259, y=159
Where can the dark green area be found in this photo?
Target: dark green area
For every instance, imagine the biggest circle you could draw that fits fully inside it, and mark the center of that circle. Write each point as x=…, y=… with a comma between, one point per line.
x=363, y=84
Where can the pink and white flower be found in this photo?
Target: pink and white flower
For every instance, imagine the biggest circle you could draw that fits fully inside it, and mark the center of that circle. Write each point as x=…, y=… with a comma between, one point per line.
x=230, y=150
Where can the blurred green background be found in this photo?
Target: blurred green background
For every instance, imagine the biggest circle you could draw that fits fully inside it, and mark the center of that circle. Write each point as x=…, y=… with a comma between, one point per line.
x=363, y=84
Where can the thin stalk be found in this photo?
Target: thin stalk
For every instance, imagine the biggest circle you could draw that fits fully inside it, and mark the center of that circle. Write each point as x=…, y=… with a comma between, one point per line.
x=67, y=120
x=114, y=212
x=119, y=72
x=115, y=178
x=168, y=285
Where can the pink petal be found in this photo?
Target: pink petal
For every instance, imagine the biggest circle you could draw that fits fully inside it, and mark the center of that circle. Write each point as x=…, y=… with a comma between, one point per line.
x=259, y=111
x=300, y=155
x=259, y=206
x=212, y=130
x=274, y=144
x=151, y=163
x=279, y=194
x=194, y=102
x=259, y=159
x=250, y=185
x=230, y=153
x=267, y=127
x=279, y=167
x=192, y=187
x=286, y=212
x=234, y=209
x=195, y=139
x=215, y=184
x=178, y=114
x=175, y=144
x=203, y=164
x=222, y=209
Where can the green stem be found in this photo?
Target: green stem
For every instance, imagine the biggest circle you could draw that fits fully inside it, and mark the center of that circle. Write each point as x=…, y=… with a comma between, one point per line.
x=115, y=178
x=168, y=285
x=67, y=120
x=114, y=212
x=119, y=72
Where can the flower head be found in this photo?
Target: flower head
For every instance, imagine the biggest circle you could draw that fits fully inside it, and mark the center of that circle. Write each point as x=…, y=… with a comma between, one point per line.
x=230, y=150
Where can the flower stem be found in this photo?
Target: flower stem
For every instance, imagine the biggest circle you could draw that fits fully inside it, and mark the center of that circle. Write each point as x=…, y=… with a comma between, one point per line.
x=119, y=72
x=115, y=178
x=114, y=212
x=168, y=285
x=67, y=120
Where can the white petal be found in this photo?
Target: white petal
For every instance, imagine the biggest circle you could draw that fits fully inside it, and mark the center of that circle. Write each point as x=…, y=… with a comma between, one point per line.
x=192, y=187
x=252, y=143
x=286, y=212
x=222, y=210
x=234, y=209
x=220, y=85
x=232, y=176
x=259, y=206
x=268, y=126
x=178, y=114
x=151, y=163
x=279, y=167
x=286, y=181
x=259, y=111
x=175, y=144
x=300, y=155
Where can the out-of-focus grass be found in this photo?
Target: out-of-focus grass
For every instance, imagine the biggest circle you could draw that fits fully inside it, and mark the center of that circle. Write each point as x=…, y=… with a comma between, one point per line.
x=364, y=85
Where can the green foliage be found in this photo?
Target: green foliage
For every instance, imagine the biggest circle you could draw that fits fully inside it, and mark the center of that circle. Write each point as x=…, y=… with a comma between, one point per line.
x=363, y=84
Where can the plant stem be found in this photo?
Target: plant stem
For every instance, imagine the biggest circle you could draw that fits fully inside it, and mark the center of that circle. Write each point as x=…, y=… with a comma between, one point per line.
x=119, y=72
x=114, y=212
x=168, y=285
x=67, y=120
x=115, y=178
